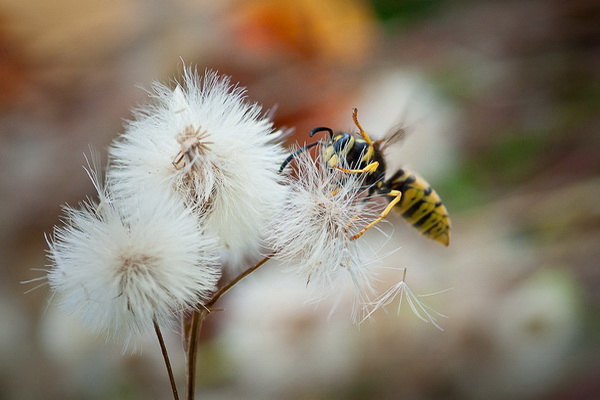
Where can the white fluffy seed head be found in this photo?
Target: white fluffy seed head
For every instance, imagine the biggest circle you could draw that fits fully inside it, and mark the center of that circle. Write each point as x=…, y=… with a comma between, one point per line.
x=317, y=220
x=216, y=151
x=118, y=265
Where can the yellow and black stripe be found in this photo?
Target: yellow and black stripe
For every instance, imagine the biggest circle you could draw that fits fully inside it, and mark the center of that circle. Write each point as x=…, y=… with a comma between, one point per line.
x=421, y=206
x=408, y=193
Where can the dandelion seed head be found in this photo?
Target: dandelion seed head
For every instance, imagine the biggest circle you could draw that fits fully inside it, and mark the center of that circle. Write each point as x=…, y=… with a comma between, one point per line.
x=317, y=220
x=206, y=143
x=120, y=266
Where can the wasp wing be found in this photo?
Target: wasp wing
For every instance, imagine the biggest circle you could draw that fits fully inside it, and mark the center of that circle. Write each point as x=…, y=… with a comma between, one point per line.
x=394, y=135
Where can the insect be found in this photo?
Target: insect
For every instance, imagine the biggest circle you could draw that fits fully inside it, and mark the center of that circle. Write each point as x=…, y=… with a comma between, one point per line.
x=409, y=194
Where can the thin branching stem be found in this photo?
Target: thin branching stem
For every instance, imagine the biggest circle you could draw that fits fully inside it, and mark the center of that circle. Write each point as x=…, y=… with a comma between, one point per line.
x=196, y=324
x=165, y=354
x=235, y=280
x=192, y=350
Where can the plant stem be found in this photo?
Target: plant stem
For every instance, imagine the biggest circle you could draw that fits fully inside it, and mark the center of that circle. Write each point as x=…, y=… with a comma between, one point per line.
x=235, y=280
x=165, y=354
x=196, y=324
x=192, y=351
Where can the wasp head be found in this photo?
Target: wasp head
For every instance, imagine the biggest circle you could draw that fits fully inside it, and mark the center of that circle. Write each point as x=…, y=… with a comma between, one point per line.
x=348, y=151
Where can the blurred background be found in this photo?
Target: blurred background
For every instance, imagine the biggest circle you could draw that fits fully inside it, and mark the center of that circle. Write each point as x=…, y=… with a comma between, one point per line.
x=501, y=101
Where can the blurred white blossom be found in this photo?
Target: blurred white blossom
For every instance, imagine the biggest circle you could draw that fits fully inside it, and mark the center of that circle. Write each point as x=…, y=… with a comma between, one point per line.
x=216, y=151
x=122, y=263
x=278, y=343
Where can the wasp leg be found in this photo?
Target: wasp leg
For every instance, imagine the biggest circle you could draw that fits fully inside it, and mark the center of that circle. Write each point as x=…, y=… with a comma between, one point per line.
x=384, y=213
x=360, y=128
x=369, y=168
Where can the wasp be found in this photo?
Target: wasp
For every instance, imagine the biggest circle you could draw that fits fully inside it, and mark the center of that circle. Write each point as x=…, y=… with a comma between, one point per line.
x=409, y=194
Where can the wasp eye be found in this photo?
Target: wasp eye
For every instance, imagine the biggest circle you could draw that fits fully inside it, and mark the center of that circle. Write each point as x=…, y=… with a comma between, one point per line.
x=342, y=144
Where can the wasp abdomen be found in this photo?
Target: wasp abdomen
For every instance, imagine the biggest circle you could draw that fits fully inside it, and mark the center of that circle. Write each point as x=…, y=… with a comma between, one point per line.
x=421, y=206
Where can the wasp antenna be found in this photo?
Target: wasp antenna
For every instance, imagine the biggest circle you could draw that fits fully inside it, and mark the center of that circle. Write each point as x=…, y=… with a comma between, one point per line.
x=321, y=129
x=294, y=154
x=360, y=128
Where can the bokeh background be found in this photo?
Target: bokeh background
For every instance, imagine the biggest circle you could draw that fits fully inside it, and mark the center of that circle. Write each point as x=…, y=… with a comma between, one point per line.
x=501, y=101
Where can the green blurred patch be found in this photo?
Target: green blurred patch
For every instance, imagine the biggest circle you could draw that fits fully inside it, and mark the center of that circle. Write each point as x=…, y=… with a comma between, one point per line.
x=403, y=13
x=455, y=82
x=460, y=188
x=514, y=157
x=510, y=161
x=213, y=367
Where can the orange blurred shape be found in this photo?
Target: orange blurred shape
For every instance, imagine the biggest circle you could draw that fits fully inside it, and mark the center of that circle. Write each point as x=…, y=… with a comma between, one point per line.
x=13, y=69
x=340, y=30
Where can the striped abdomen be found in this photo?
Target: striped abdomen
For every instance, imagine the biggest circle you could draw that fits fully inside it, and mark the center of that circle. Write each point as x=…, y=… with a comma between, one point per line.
x=421, y=206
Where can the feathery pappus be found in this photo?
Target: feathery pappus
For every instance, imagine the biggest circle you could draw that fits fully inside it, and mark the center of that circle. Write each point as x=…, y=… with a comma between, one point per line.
x=122, y=264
